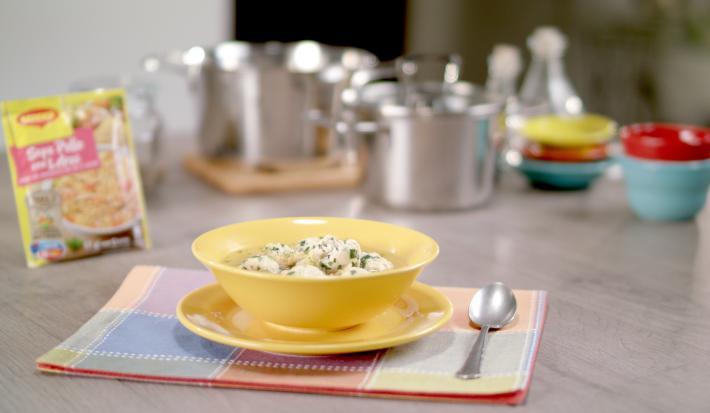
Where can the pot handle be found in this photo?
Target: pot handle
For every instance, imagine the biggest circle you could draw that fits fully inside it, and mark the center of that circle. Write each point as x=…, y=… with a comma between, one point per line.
x=364, y=76
x=188, y=63
x=409, y=67
x=347, y=130
x=405, y=69
x=345, y=126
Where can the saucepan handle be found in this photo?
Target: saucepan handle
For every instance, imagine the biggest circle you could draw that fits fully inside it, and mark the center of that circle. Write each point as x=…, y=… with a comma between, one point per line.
x=407, y=70
x=188, y=63
x=346, y=126
x=411, y=68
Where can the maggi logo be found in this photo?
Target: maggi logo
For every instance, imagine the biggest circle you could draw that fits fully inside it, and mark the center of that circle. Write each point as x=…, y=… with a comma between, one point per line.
x=37, y=117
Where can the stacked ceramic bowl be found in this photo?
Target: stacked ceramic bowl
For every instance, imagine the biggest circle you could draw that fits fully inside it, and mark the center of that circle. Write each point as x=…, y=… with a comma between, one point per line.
x=666, y=169
x=565, y=152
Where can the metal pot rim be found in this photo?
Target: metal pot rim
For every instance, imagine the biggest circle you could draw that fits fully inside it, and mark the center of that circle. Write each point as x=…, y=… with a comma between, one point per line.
x=302, y=56
x=480, y=110
x=389, y=104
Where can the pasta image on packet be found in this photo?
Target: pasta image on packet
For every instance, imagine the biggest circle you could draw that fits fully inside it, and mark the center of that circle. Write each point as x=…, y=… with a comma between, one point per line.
x=74, y=175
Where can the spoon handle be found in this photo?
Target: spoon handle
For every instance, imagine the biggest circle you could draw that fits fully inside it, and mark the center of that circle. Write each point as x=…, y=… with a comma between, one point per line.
x=471, y=368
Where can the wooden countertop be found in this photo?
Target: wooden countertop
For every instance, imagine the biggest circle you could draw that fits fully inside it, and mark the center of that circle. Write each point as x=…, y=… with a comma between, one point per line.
x=628, y=327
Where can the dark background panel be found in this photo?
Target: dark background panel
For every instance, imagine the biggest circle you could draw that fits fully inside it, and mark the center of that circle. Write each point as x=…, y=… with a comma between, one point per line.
x=377, y=26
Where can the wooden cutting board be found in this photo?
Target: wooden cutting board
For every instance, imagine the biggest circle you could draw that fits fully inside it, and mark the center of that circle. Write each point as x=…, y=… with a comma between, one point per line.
x=234, y=177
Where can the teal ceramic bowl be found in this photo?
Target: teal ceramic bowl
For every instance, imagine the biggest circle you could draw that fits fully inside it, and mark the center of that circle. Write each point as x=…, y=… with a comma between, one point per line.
x=562, y=176
x=666, y=190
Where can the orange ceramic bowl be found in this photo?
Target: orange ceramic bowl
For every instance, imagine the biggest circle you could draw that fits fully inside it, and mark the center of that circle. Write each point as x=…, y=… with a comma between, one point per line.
x=588, y=153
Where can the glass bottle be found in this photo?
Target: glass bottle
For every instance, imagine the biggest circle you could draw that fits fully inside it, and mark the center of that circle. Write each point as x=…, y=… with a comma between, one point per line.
x=504, y=67
x=546, y=83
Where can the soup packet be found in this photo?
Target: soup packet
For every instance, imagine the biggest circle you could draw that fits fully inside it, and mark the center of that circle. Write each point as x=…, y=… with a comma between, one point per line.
x=73, y=167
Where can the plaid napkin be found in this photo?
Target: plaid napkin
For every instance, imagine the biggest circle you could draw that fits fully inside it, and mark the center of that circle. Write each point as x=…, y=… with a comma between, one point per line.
x=136, y=336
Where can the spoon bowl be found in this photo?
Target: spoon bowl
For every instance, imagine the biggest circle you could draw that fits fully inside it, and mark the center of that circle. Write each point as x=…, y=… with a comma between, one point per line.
x=493, y=305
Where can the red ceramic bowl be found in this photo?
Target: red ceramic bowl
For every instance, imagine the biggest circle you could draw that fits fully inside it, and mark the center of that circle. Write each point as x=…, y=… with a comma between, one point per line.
x=541, y=152
x=666, y=142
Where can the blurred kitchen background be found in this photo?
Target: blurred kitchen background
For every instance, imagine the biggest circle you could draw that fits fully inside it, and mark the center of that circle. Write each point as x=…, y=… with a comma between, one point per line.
x=633, y=60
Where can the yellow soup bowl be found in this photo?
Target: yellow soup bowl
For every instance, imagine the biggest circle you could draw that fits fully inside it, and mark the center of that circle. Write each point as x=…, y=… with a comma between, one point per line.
x=329, y=303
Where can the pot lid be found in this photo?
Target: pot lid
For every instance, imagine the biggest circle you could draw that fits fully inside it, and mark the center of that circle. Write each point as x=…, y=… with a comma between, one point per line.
x=411, y=93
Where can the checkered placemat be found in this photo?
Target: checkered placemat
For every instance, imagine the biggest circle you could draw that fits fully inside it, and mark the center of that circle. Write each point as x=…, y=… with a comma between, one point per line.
x=137, y=336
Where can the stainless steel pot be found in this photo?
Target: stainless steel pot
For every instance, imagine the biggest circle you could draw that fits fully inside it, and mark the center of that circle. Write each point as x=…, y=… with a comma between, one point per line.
x=430, y=145
x=266, y=102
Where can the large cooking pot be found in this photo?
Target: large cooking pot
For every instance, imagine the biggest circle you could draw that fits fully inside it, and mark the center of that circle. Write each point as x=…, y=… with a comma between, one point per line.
x=266, y=102
x=430, y=145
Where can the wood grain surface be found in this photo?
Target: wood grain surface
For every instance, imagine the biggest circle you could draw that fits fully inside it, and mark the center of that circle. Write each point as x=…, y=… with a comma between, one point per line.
x=628, y=326
x=238, y=179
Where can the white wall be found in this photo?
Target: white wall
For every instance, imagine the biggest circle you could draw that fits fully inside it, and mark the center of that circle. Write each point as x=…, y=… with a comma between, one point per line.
x=45, y=45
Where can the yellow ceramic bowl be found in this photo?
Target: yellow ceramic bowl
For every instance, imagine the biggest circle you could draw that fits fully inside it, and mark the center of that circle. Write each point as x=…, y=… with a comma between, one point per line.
x=569, y=131
x=316, y=303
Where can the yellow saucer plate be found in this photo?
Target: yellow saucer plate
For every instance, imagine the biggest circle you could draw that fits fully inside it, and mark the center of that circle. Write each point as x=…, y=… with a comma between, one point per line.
x=570, y=131
x=211, y=314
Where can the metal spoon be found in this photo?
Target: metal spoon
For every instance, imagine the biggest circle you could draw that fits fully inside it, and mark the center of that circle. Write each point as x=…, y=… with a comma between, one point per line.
x=493, y=306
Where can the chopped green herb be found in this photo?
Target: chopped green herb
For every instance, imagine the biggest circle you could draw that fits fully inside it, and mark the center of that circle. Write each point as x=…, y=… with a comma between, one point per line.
x=75, y=244
x=353, y=254
x=116, y=102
